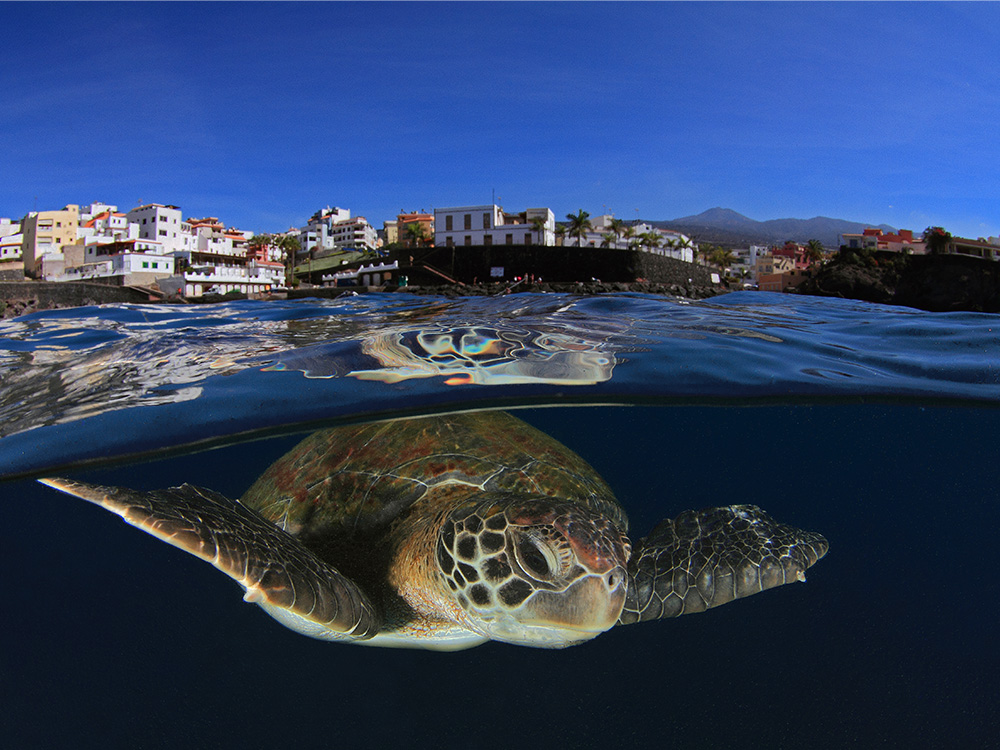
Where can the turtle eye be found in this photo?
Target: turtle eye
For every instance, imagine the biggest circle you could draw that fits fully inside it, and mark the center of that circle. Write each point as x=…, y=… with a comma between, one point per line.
x=536, y=559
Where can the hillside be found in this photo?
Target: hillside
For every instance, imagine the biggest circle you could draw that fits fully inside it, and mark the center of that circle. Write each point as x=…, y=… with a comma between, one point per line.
x=727, y=227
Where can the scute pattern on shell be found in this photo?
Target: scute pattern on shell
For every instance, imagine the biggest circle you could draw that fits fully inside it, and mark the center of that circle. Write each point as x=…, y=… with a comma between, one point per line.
x=361, y=478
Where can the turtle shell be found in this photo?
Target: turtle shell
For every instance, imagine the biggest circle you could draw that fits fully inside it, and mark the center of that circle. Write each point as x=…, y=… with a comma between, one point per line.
x=358, y=479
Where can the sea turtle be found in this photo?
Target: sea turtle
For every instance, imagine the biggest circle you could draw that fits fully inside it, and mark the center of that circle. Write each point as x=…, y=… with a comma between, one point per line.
x=447, y=531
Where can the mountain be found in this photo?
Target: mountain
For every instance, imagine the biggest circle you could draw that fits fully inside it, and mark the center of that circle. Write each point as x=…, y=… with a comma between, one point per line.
x=727, y=227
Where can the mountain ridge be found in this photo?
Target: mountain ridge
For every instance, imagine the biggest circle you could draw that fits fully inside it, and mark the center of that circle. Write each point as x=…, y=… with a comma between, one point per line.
x=728, y=227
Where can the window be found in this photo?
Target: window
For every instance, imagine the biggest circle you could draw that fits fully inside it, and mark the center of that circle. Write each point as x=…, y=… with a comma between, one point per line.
x=145, y=264
x=468, y=221
x=448, y=223
x=486, y=221
x=163, y=232
x=449, y=242
x=527, y=238
x=468, y=240
x=487, y=239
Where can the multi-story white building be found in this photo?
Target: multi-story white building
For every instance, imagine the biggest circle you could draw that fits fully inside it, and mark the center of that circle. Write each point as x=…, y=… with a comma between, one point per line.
x=106, y=226
x=163, y=224
x=10, y=245
x=671, y=244
x=332, y=229
x=491, y=225
x=130, y=262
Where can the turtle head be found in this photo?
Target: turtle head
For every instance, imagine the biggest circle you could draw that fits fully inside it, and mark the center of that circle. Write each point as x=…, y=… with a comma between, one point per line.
x=535, y=572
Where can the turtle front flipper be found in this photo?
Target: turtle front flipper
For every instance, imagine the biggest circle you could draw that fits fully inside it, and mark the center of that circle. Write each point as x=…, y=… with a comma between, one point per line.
x=705, y=558
x=287, y=580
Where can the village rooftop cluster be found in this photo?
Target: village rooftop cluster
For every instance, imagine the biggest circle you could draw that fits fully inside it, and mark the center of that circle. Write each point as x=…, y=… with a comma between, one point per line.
x=154, y=246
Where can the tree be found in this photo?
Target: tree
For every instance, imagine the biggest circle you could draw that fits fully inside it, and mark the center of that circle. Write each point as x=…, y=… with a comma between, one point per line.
x=721, y=257
x=618, y=227
x=538, y=224
x=609, y=239
x=937, y=240
x=628, y=234
x=287, y=245
x=416, y=235
x=579, y=225
x=560, y=232
x=814, y=251
x=650, y=240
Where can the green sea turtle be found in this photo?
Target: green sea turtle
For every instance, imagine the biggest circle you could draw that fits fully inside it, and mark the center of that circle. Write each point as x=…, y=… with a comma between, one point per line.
x=444, y=532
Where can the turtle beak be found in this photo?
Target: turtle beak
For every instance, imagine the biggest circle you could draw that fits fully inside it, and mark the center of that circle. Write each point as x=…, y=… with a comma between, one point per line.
x=588, y=607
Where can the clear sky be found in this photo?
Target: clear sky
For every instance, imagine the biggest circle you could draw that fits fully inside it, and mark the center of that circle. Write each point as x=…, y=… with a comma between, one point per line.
x=262, y=113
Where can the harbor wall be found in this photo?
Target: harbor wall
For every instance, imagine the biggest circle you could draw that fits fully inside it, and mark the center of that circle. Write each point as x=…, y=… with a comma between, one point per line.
x=559, y=264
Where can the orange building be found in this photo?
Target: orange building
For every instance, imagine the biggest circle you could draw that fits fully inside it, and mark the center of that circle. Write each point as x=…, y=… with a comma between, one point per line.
x=424, y=221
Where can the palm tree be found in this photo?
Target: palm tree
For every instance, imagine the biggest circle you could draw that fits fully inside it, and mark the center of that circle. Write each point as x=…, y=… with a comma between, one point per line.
x=416, y=235
x=579, y=225
x=722, y=258
x=618, y=227
x=685, y=244
x=650, y=240
x=937, y=240
x=814, y=251
x=628, y=234
x=560, y=233
x=609, y=239
x=538, y=224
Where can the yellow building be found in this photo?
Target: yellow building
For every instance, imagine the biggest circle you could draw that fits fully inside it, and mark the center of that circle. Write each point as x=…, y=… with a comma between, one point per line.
x=45, y=232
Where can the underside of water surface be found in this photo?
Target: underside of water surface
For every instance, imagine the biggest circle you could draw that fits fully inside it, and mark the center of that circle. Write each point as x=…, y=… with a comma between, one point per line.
x=122, y=382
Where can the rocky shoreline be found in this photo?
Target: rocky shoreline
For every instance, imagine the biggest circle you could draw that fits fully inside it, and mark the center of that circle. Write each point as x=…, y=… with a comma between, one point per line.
x=936, y=283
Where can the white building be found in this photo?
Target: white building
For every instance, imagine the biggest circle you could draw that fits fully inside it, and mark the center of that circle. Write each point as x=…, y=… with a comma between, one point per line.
x=671, y=244
x=491, y=225
x=106, y=226
x=332, y=230
x=354, y=234
x=369, y=275
x=163, y=224
x=10, y=245
x=130, y=262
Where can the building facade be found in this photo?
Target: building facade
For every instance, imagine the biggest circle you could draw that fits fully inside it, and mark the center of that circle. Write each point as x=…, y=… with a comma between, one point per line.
x=419, y=219
x=164, y=224
x=43, y=235
x=490, y=224
x=331, y=230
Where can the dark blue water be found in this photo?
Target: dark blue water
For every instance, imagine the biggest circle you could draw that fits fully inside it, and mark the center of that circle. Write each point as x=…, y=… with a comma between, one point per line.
x=876, y=426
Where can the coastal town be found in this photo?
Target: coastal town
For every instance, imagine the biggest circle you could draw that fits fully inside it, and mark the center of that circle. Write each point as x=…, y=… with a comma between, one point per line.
x=154, y=247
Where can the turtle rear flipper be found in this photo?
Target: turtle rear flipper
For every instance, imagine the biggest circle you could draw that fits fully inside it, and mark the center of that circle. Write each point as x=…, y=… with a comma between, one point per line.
x=705, y=558
x=291, y=583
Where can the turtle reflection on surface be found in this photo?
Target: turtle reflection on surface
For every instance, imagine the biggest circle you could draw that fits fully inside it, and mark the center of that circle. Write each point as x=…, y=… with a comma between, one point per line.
x=447, y=531
x=478, y=355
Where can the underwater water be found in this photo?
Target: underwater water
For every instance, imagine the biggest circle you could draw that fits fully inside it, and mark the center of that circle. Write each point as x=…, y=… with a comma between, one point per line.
x=874, y=425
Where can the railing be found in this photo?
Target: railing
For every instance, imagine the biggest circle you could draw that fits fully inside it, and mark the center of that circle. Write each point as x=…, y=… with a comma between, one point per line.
x=437, y=272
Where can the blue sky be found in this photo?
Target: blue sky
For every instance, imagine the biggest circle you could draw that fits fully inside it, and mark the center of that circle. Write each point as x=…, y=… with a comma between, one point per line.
x=261, y=113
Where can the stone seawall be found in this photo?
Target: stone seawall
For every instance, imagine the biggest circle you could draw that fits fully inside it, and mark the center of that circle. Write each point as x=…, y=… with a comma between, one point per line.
x=558, y=264
x=21, y=297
